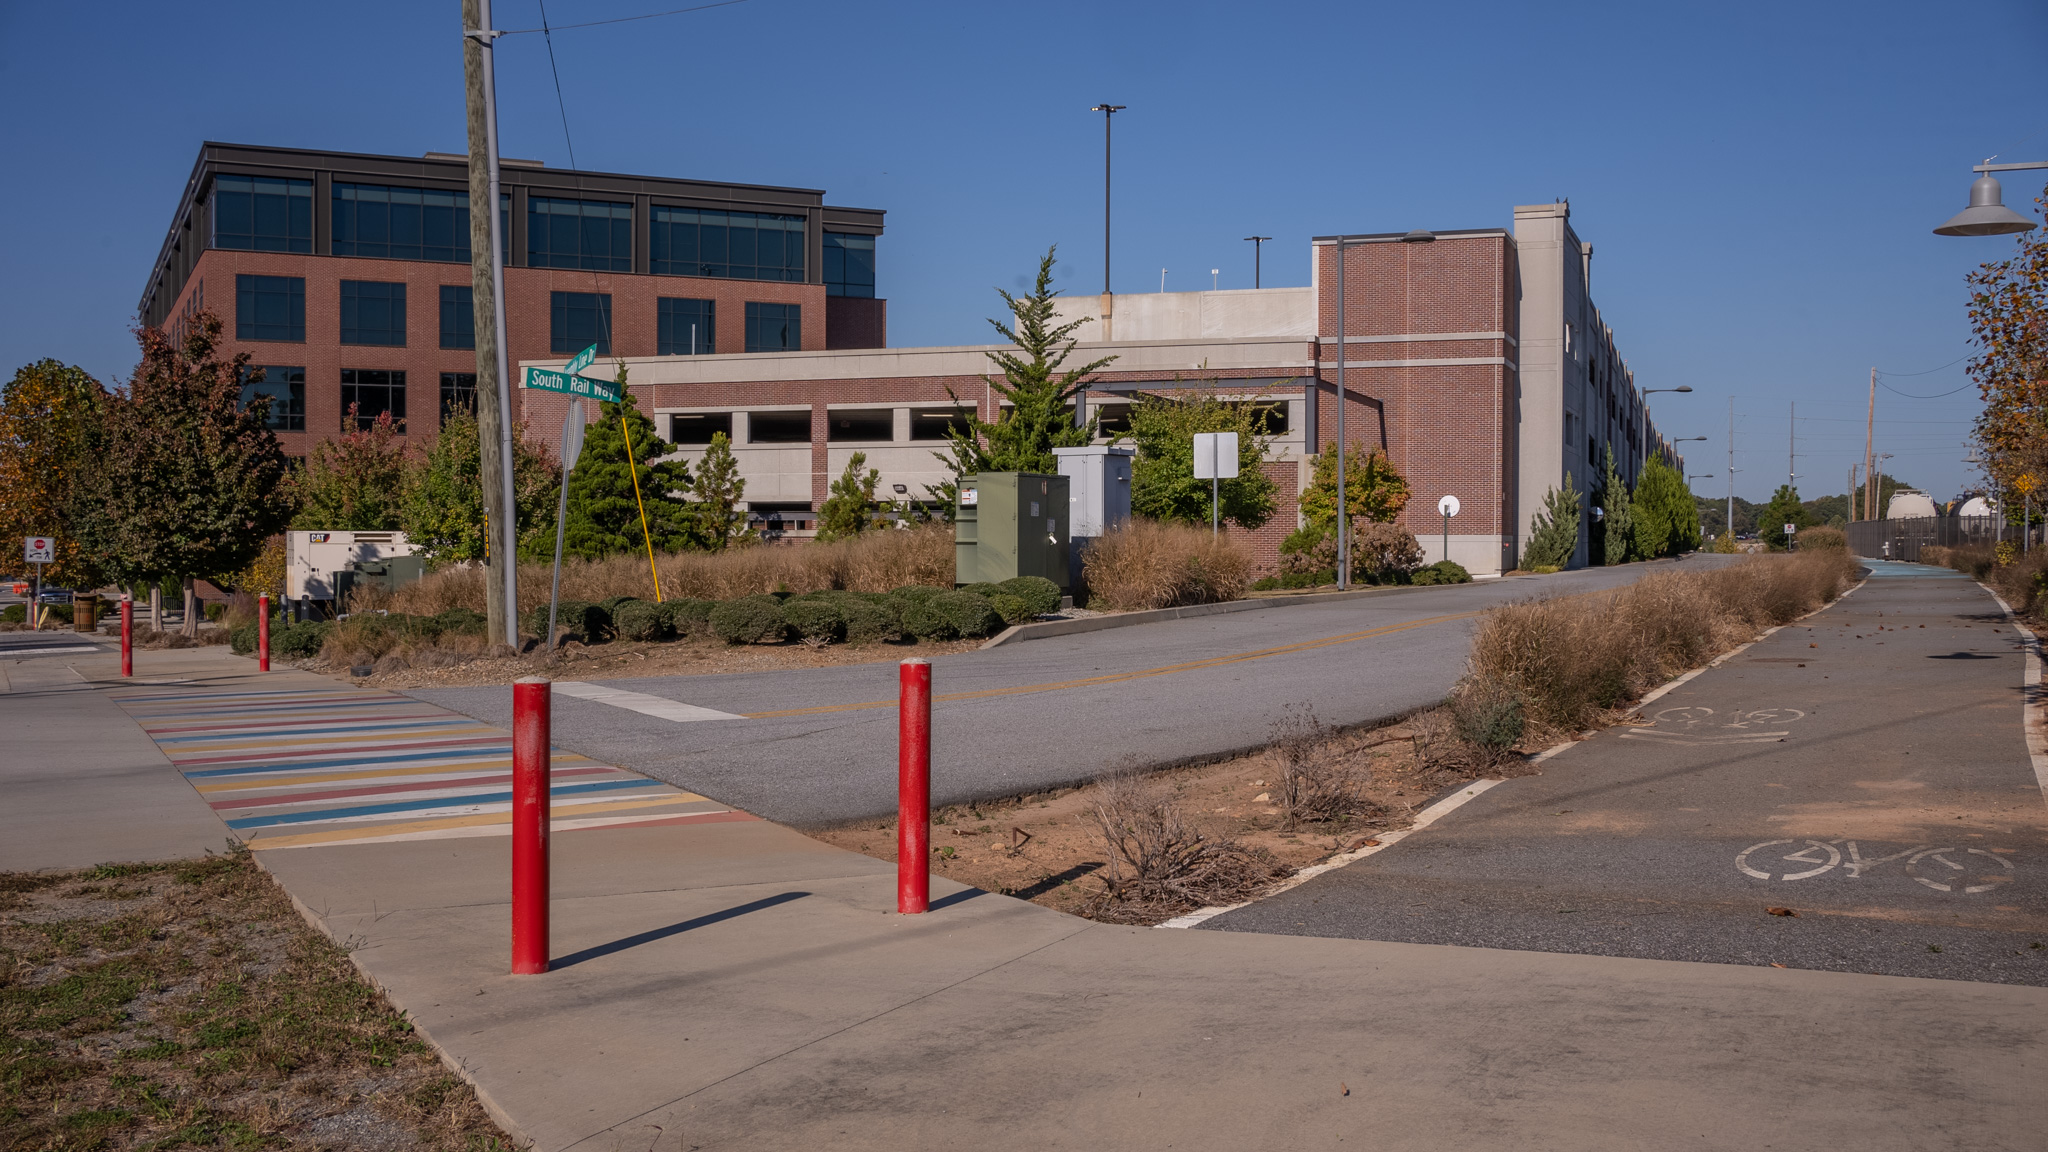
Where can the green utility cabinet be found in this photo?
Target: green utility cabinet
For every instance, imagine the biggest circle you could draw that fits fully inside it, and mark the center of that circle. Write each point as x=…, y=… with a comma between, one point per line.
x=1008, y=524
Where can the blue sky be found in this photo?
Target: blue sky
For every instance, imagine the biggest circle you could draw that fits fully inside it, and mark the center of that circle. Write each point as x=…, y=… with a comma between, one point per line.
x=1758, y=180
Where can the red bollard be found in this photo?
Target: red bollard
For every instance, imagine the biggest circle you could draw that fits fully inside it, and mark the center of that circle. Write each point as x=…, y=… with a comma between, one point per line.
x=263, y=632
x=530, y=740
x=914, y=788
x=127, y=636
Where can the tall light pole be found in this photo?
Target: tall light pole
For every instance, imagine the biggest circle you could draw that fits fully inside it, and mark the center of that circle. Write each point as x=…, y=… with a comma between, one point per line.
x=1108, y=110
x=1731, y=470
x=1645, y=436
x=1258, y=246
x=1343, y=513
x=487, y=284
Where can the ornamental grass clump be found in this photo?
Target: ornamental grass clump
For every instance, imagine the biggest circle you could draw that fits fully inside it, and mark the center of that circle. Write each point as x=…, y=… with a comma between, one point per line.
x=1147, y=564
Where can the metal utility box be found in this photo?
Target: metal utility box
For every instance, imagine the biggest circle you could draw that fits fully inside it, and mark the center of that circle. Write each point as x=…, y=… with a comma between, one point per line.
x=1099, y=480
x=324, y=565
x=1009, y=524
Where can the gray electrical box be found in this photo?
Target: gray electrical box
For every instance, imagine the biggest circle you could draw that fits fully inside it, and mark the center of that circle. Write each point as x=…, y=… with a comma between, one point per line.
x=1009, y=524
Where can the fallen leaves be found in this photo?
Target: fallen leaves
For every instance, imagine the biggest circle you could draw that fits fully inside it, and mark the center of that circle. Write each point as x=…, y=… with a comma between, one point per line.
x=1781, y=912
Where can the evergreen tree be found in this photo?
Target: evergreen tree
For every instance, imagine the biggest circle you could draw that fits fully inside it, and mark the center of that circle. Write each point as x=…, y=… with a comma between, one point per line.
x=356, y=482
x=1666, y=515
x=1163, y=484
x=849, y=508
x=1783, y=509
x=190, y=484
x=1038, y=386
x=1554, y=535
x=442, y=508
x=50, y=418
x=604, y=514
x=1617, y=519
x=721, y=521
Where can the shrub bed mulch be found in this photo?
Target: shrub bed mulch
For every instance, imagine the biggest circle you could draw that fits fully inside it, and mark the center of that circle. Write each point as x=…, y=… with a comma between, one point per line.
x=188, y=1005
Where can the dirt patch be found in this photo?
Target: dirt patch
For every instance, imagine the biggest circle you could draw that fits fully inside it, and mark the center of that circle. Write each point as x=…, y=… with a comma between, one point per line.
x=189, y=1005
x=1048, y=847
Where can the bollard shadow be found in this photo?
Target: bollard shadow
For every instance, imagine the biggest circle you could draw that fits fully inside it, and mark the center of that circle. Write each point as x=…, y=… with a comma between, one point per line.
x=650, y=936
x=960, y=897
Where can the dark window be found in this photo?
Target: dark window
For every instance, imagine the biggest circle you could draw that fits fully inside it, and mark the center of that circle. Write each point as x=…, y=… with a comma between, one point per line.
x=286, y=388
x=697, y=428
x=458, y=392
x=683, y=327
x=270, y=308
x=594, y=235
x=1113, y=420
x=262, y=214
x=729, y=245
x=937, y=423
x=373, y=312
x=579, y=319
x=400, y=223
x=1274, y=416
x=372, y=391
x=774, y=327
x=778, y=427
x=849, y=264
x=870, y=424
x=458, y=316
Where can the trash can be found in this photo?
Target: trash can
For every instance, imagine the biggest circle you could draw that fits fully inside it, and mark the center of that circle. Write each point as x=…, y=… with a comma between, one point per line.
x=85, y=612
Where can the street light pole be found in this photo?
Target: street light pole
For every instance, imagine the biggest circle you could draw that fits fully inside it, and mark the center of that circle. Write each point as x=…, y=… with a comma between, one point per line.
x=1108, y=110
x=1258, y=246
x=1343, y=518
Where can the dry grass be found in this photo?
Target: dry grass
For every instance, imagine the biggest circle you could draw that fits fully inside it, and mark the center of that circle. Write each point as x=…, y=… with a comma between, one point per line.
x=1315, y=787
x=1147, y=564
x=1161, y=863
x=871, y=562
x=1571, y=659
x=188, y=1005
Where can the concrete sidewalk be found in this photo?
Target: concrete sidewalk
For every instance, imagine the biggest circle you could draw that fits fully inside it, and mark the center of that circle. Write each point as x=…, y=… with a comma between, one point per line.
x=737, y=985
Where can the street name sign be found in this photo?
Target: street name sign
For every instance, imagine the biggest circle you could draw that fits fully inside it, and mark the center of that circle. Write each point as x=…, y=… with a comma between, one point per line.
x=580, y=361
x=548, y=380
x=39, y=550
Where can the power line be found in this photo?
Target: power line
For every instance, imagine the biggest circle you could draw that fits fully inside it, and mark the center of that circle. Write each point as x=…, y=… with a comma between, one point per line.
x=1930, y=371
x=543, y=29
x=1930, y=396
x=549, y=36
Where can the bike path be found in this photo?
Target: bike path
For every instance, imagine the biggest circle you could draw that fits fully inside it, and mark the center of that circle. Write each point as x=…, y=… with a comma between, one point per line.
x=1865, y=769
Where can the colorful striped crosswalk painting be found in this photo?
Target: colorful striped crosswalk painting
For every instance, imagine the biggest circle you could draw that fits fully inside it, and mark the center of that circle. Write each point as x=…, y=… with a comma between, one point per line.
x=301, y=767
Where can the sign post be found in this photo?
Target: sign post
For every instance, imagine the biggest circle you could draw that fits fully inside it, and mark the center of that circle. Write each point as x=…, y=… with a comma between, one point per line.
x=38, y=550
x=1449, y=507
x=1215, y=461
x=572, y=447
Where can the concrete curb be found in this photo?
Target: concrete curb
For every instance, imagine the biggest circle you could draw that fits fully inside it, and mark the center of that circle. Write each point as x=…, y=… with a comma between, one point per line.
x=2031, y=727
x=1045, y=630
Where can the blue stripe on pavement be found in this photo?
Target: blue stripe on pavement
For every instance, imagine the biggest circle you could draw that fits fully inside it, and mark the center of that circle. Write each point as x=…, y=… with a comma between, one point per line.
x=416, y=805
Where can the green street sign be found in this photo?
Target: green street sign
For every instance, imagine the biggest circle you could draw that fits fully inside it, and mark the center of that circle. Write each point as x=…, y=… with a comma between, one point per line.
x=548, y=380
x=580, y=361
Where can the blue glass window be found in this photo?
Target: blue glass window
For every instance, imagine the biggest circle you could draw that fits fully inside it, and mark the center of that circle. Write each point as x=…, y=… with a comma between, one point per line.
x=458, y=393
x=262, y=214
x=593, y=235
x=576, y=320
x=285, y=387
x=728, y=245
x=400, y=223
x=372, y=391
x=458, y=316
x=849, y=265
x=373, y=312
x=683, y=327
x=774, y=327
x=270, y=308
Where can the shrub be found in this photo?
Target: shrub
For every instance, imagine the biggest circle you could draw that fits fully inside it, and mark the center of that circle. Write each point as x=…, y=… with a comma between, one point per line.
x=1142, y=564
x=1488, y=715
x=1316, y=784
x=302, y=640
x=1441, y=572
x=969, y=614
x=462, y=622
x=1160, y=864
x=578, y=619
x=14, y=614
x=642, y=621
x=242, y=639
x=610, y=604
x=60, y=613
x=1384, y=553
x=689, y=617
x=915, y=593
x=1554, y=535
x=1810, y=539
x=872, y=619
x=923, y=619
x=815, y=619
x=1040, y=595
x=216, y=610
x=749, y=620
x=1012, y=609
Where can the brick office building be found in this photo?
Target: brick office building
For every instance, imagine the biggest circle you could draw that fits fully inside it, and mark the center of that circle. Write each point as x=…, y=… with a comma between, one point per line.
x=1474, y=358
x=347, y=277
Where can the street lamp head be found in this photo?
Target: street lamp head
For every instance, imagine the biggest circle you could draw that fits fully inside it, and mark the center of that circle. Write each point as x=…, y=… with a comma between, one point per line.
x=1683, y=439
x=1259, y=238
x=1987, y=214
x=1107, y=108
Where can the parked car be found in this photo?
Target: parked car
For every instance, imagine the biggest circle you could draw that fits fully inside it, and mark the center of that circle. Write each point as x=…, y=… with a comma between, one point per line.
x=55, y=596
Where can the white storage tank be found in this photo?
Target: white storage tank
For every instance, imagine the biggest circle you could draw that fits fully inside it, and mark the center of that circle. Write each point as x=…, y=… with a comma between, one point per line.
x=1907, y=504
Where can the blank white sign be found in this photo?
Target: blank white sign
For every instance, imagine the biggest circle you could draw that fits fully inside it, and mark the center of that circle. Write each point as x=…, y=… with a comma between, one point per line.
x=1215, y=455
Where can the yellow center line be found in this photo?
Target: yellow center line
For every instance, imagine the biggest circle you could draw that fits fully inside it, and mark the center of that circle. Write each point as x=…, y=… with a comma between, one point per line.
x=1146, y=673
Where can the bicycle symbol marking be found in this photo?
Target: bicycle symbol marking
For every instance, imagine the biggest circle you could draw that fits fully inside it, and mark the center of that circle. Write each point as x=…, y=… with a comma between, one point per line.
x=1696, y=724
x=1822, y=856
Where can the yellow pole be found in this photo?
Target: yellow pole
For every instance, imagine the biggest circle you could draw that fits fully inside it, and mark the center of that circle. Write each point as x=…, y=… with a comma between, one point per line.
x=633, y=469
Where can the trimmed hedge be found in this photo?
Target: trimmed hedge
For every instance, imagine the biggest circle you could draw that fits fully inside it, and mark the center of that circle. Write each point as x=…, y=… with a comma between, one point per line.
x=582, y=620
x=641, y=621
x=1012, y=609
x=915, y=593
x=302, y=640
x=1042, y=596
x=872, y=619
x=817, y=618
x=689, y=617
x=1441, y=572
x=749, y=620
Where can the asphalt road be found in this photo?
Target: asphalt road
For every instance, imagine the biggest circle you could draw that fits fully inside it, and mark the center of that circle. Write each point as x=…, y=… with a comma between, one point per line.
x=1866, y=770
x=814, y=746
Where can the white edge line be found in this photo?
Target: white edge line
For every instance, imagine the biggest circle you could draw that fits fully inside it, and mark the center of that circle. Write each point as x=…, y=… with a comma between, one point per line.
x=1452, y=803
x=2030, y=710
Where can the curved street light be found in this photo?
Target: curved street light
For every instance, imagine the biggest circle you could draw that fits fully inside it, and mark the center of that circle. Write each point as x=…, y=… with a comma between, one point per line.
x=1987, y=214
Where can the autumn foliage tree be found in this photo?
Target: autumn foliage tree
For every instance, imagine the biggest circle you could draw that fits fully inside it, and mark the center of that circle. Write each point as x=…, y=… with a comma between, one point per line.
x=2009, y=325
x=50, y=417
x=355, y=482
x=189, y=483
x=442, y=506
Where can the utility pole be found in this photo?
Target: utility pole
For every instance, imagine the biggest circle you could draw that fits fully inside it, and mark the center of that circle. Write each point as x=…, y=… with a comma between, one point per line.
x=487, y=286
x=1792, y=447
x=1343, y=513
x=1731, y=470
x=1108, y=300
x=1258, y=246
x=1869, y=451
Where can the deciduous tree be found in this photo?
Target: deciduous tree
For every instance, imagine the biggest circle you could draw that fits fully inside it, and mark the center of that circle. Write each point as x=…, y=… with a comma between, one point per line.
x=2009, y=325
x=1163, y=484
x=442, y=510
x=50, y=422
x=355, y=482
